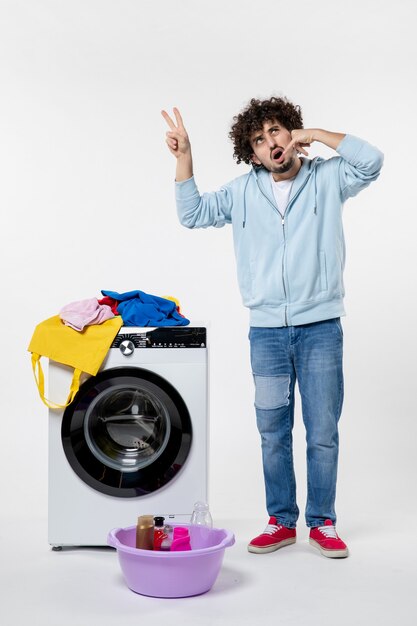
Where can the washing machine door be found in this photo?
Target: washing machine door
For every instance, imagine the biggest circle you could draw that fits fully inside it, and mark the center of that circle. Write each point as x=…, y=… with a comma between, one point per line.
x=127, y=433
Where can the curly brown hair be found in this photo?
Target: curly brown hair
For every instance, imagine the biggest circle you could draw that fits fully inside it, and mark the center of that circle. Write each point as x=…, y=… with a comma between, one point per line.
x=252, y=119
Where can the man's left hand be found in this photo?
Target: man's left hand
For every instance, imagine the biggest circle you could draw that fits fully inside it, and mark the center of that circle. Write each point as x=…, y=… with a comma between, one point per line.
x=304, y=137
x=301, y=138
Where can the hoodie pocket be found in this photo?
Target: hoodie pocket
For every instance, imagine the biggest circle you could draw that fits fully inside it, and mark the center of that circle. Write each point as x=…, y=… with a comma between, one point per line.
x=245, y=282
x=323, y=271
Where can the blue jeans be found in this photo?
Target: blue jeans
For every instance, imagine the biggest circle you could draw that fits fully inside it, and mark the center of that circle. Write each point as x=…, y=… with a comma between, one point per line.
x=311, y=354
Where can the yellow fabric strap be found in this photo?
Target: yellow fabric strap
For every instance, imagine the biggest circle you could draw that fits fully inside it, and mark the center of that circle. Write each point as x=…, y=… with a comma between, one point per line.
x=40, y=382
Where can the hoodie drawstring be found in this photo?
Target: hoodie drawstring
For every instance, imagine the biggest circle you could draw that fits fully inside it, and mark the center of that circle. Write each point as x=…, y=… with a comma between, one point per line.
x=244, y=199
x=313, y=166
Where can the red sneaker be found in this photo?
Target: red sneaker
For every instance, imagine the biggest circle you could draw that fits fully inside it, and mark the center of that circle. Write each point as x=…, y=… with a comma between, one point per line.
x=274, y=536
x=326, y=539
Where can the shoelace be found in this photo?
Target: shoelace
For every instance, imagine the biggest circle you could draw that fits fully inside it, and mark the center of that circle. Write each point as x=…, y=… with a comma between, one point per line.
x=271, y=529
x=329, y=532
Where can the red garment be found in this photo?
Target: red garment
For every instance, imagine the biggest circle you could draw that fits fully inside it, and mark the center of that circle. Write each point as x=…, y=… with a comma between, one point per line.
x=111, y=302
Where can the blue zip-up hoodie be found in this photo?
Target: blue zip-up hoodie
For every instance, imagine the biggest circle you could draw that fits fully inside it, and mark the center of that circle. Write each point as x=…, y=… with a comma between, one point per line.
x=290, y=268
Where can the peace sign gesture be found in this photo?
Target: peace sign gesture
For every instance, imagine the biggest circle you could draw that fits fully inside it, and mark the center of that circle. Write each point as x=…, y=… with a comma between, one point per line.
x=177, y=138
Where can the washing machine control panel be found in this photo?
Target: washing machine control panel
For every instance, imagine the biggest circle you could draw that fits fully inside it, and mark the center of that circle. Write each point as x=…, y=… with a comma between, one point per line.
x=178, y=337
x=127, y=347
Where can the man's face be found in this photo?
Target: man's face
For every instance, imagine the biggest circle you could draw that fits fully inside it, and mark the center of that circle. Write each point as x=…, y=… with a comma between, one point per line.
x=268, y=145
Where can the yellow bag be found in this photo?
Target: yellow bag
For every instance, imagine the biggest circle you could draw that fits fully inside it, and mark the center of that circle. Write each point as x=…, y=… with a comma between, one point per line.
x=84, y=351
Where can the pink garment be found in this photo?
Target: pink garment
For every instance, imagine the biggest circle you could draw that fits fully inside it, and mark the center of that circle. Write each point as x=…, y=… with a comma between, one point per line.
x=83, y=313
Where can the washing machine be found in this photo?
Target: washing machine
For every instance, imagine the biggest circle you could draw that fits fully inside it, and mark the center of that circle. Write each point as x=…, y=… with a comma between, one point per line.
x=135, y=439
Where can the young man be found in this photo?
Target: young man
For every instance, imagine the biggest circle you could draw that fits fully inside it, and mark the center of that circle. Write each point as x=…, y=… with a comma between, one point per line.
x=286, y=215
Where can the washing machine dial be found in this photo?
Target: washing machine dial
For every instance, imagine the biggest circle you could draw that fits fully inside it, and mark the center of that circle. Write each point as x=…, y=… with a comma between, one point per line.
x=127, y=347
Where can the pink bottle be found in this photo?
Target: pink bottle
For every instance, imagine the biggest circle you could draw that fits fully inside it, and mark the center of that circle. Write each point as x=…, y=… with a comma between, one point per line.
x=181, y=539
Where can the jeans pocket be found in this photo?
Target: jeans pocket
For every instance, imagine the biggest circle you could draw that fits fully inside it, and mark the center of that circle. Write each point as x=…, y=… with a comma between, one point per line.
x=272, y=392
x=339, y=325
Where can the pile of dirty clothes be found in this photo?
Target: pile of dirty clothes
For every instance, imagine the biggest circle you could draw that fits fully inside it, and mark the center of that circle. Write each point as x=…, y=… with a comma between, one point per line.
x=136, y=308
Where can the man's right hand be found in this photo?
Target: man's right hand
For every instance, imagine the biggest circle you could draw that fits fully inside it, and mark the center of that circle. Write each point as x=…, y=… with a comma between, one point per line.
x=179, y=145
x=177, y=138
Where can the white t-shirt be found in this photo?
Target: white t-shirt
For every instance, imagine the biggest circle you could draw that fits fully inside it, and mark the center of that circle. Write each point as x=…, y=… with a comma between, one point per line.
x=282, y=191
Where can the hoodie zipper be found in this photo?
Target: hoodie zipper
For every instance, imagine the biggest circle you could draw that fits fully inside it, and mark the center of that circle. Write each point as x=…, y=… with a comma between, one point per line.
x=285, y=245
x=283, y=274
x=283, y=231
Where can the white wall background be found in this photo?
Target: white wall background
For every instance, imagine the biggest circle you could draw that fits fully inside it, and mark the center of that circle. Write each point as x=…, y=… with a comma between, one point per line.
x=87, y=204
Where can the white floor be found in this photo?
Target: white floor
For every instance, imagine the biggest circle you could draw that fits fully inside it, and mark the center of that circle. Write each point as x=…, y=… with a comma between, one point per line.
x=376, y=585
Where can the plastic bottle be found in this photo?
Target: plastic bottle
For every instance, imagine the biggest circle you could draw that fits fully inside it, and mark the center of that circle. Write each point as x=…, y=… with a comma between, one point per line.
x=181, y=540
x=167, y=540
x=200, y=526
x=144, y=532
x=201, y=515
x=159, y=533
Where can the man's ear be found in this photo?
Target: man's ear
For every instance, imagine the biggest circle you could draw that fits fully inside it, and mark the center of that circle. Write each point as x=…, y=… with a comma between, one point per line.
x=255, y=160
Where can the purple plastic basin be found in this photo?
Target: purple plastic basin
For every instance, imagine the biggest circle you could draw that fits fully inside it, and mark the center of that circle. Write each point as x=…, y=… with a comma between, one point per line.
x=172, y=574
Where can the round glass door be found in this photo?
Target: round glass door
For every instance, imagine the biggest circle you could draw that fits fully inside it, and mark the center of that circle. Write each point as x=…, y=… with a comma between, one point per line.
x=127, y=432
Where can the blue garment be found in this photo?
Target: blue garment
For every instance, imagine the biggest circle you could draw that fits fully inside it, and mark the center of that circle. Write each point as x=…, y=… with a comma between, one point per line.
x=138, y=308
x=311, y=354
x=290, y=268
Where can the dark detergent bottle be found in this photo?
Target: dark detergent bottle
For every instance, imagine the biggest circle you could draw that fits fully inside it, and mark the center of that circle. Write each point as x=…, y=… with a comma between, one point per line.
x=160, y=536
